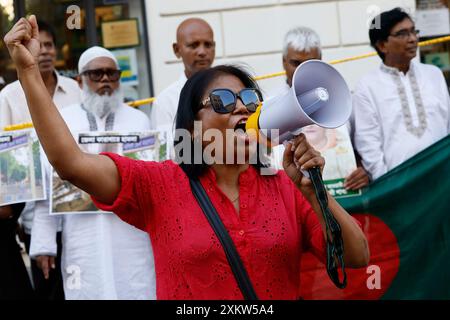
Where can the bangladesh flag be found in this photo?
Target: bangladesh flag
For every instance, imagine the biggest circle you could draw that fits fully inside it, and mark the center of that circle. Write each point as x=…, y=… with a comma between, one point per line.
x=405, y=215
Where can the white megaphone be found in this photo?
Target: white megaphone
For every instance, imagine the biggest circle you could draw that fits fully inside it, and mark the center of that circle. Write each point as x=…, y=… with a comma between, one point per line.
x=319, y=95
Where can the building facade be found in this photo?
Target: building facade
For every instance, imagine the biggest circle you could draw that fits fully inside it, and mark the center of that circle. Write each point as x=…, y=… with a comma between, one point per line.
x=252, y=31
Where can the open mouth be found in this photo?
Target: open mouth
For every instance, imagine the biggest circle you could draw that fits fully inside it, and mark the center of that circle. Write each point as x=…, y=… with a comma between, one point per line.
x=240, y=125
x=240, y=132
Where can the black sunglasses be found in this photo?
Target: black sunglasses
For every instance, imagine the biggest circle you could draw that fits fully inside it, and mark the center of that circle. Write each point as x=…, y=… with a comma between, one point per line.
x=97, y=75
x=224, y=100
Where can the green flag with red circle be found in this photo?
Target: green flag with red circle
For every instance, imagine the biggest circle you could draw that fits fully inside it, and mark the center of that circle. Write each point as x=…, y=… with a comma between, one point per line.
x=405, y=216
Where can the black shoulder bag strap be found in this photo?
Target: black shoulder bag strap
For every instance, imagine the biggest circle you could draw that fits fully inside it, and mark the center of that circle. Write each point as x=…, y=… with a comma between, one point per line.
x=335, y=246
x=227, y=243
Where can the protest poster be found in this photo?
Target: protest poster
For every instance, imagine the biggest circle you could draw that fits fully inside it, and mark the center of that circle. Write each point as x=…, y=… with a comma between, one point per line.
x=65, y=198
x=21, y=169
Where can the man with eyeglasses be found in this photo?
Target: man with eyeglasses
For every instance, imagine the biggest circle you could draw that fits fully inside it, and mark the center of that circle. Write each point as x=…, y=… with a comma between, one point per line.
x=403, y=106
x=14, y=110
x=103, y=257
x=196, y=47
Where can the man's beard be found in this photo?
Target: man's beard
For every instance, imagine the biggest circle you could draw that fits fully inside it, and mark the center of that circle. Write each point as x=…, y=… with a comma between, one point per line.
x=101, y=105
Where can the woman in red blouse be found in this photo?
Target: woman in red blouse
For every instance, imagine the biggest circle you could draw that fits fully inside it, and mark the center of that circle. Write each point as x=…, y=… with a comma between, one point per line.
x=271, y=219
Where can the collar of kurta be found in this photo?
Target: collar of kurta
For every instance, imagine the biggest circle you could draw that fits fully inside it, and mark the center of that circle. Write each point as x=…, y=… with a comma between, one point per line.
x=395, y=71
x=419, y=129
x=183, y=78
x=59, y=83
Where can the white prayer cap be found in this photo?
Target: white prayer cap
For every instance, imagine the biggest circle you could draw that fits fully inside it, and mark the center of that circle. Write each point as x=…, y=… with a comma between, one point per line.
x=94, y=53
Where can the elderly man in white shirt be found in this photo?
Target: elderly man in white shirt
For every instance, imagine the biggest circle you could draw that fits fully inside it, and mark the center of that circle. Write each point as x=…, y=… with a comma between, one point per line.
x=14, y=110
x=196, y=47
x=403, y=106
x=103, y=257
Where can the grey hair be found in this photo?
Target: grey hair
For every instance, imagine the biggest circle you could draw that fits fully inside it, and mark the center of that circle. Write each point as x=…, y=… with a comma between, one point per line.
x=301, y=39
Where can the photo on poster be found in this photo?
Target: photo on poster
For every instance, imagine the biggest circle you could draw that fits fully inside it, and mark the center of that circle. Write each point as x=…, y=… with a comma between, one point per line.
x=336, y=147
x=128, y=63
x=65, y=198
x=21, y=169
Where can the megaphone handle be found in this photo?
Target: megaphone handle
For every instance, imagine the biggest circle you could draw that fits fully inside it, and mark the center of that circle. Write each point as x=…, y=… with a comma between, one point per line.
x=335, y=245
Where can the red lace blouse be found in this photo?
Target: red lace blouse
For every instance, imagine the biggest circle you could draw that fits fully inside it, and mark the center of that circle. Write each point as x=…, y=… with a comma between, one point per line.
x=274, y=226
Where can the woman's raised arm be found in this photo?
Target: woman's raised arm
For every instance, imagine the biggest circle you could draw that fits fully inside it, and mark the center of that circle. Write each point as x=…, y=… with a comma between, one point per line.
x=95, y=174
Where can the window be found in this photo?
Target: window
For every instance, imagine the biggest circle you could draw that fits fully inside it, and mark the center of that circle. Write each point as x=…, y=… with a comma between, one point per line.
x=71, y=43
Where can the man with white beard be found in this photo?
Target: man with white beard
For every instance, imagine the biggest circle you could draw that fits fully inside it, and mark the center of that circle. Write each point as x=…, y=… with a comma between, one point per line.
x=103, y=257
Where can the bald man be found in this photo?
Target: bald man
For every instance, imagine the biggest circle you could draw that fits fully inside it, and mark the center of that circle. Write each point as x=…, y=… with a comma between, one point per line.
x=196, y=47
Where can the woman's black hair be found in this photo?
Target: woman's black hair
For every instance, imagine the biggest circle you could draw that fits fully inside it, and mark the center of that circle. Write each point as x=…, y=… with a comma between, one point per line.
x=190, y=103
x=382, y=25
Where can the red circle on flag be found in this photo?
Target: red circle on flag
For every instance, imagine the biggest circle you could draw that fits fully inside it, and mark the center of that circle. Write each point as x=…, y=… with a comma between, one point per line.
x=368, y=283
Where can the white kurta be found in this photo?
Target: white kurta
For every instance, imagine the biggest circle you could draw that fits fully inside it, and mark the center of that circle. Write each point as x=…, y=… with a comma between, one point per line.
x=164, y=110
x=386, y=103
x=103, y=257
